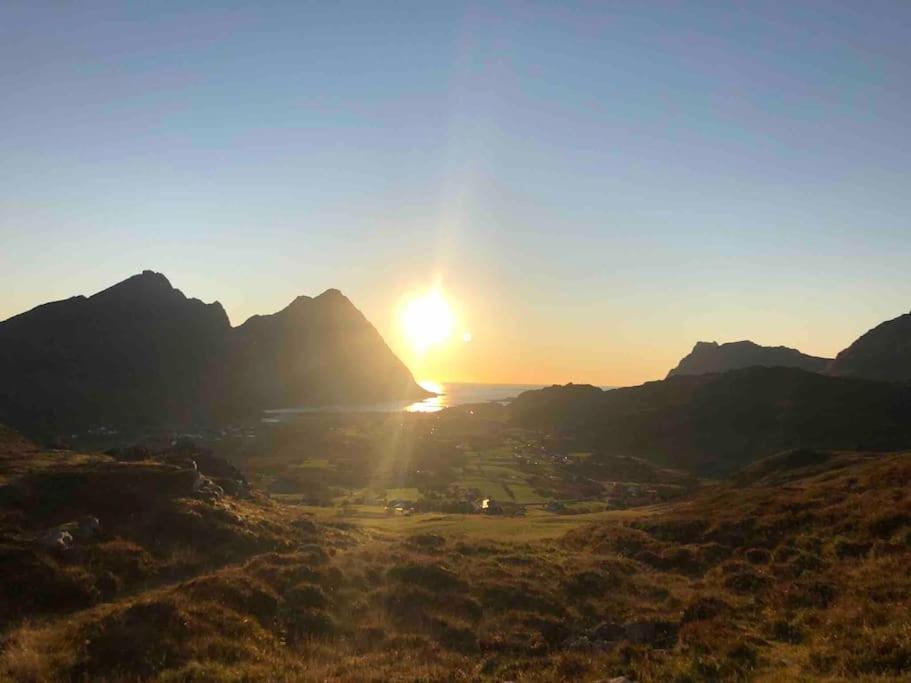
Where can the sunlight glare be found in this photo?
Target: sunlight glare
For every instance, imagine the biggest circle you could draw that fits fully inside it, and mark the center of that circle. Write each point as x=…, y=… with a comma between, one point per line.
x=427, y=321
x=432, y=404
x=430, y=385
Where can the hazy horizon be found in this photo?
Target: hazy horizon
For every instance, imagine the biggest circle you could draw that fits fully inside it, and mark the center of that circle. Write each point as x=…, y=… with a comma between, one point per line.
x=594, y=188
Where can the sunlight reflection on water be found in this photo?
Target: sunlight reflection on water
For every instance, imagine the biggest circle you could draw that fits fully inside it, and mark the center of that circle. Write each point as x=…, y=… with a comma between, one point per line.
x=448, y=394
x=432, y=404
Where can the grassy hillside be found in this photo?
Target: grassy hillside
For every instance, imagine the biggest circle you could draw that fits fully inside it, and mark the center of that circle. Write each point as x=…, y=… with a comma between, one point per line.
x=714, y=424
x=798, y=571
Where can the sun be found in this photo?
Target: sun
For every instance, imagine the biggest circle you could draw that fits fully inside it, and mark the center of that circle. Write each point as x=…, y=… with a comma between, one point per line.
x=427, y=320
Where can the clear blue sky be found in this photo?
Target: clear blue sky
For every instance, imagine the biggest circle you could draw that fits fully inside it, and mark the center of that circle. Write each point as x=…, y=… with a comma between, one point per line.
x=597, y=185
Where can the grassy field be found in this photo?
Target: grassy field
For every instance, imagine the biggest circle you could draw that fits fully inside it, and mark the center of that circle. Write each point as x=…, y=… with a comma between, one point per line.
x=444, y=461
x=495, y=473
x=410, y=494
x=535, y=526
x=795, y=572
x=315, y=463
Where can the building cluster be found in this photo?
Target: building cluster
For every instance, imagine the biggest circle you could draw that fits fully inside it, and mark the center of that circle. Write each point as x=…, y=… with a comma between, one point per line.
x=531, y=453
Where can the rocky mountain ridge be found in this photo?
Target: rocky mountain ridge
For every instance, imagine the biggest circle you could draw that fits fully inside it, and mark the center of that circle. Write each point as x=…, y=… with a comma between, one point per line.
x=142, y=353
x=714, y=357
x=883, y=354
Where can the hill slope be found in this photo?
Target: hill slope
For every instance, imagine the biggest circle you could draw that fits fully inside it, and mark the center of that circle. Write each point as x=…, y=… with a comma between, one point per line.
x=713, y=424
x=317, y=350
x=883, y=353
x=796, y=573
x=141, y=352
x=137, y=351
x=798, y=570
x=709, y=357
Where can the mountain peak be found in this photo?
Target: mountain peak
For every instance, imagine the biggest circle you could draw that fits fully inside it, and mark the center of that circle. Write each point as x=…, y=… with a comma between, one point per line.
x=328, y=295
x=150, y=278
x=143, y=285
x=331, y=292
x=334, y=297
x=709, y=357
x=299, y=300
x=185, y=362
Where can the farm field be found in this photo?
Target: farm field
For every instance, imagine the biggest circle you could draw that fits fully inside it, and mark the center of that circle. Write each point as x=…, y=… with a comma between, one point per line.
x=444, y=463
x=534, y=526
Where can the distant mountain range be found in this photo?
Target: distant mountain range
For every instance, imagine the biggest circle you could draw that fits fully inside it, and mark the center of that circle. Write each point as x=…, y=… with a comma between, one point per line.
x=714, y=357
x=142, y=353
x=883, y=353
x=711, y=424
x=725, y=405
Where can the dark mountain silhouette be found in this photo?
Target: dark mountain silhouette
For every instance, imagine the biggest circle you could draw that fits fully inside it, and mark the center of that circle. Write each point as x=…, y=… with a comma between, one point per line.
x=317, y=351
x=883, y=353
x=715, y=423
x=714, y=357
x=142, y=353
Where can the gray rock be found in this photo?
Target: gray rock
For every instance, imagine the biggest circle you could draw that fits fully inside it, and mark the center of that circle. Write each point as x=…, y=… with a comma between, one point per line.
x=56, y=539
x=88, y=527
x=206, y=489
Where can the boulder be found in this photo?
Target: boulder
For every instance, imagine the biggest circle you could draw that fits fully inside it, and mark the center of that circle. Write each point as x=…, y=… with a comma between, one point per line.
x=222, y=474
x=62, y=537
x=204, y=460
x=206, y=489
x=87, y=527
x=56, y=539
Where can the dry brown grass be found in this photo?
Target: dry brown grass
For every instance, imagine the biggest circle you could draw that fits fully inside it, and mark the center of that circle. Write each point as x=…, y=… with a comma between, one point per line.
x=796, y=576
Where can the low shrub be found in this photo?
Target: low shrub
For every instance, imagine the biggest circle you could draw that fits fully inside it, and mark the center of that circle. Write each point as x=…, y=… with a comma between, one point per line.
x=430, y=576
